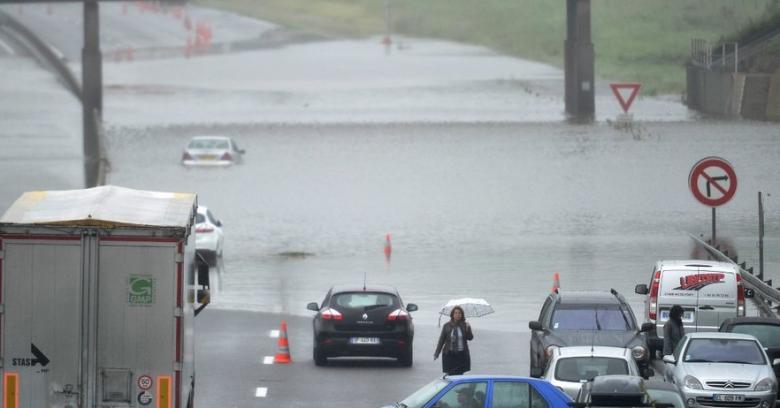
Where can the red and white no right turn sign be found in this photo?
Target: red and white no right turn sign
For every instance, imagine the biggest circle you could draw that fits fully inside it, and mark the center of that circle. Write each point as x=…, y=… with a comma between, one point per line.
x=713, y=181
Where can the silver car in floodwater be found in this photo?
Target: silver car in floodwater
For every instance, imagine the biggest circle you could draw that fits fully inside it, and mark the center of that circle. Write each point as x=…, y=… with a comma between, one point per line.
x=722, y=370
x=570, y=367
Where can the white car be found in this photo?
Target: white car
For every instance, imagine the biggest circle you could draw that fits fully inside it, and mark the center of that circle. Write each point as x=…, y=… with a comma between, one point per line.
x=714, y=369
x=209, y=238
x=211, y=151
x=570, y=367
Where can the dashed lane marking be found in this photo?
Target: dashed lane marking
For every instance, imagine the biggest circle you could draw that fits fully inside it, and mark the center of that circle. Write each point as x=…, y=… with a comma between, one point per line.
x=261, y=392
x=274, y=333
x=268, y=360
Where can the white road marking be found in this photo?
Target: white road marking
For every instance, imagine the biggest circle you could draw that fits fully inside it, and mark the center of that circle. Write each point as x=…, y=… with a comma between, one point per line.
x=7, y=48
x=261, y=392
x=274, y=333
x=268, y=360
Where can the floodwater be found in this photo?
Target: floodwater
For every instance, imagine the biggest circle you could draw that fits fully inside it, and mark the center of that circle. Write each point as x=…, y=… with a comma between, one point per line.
x=463, y=156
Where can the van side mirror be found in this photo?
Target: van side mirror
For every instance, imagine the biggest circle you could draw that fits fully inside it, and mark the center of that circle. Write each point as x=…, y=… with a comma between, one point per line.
x=776, y=362
x=534, y=325
x=669, y=358
x=646, y=327
x=411, y=307
x=641, y=289
x=749, y=293
x=313, y=306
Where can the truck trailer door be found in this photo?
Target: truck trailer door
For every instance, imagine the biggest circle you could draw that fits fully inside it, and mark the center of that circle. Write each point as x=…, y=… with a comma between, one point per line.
x=41, y=297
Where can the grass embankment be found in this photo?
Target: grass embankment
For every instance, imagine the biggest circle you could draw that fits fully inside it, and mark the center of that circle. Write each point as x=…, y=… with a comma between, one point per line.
x=634, y=40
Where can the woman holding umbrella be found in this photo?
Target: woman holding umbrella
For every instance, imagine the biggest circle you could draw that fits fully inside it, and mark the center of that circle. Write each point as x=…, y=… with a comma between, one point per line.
x=453, y=344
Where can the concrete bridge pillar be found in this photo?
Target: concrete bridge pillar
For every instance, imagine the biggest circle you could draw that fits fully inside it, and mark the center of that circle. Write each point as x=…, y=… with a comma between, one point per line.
x=578, y=61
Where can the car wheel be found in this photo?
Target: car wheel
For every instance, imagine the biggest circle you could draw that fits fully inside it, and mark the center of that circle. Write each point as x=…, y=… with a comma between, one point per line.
x=320, y=358
x=407, y=357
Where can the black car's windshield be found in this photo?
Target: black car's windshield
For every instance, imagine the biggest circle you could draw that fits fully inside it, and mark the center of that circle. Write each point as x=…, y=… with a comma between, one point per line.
x=364, y=300
x=723, y=351
x=767, y=334
x=590, y=317
x=424, y=394
x=576, y=369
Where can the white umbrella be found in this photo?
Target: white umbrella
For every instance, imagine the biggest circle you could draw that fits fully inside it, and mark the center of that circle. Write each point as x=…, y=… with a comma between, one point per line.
x=472, y=307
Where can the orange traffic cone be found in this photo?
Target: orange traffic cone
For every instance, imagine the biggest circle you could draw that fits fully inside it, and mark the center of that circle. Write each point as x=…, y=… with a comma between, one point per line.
x=556, y=282
x=283, y=355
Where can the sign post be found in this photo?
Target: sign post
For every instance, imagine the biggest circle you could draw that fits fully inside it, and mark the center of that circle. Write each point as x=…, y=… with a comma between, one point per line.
x=713, y=183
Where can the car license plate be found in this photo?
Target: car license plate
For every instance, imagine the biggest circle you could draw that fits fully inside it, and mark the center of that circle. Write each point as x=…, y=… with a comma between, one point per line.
x=686, y=318
x=364, y=340
x=728, y=397
x=207, y=157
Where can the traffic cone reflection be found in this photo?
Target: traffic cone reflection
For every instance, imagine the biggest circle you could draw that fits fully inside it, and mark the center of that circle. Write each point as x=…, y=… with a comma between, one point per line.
x=388, y=248
x=556, y=282
x=283, y=355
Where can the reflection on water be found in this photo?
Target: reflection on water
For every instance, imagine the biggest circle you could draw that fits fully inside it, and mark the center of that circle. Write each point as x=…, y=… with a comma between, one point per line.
x=474, y=210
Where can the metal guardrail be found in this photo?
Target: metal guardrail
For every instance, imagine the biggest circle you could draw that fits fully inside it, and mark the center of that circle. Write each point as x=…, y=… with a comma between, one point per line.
x=764, y=294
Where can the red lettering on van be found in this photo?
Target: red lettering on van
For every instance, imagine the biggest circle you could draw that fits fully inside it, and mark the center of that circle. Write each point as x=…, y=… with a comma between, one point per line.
x=698, y=281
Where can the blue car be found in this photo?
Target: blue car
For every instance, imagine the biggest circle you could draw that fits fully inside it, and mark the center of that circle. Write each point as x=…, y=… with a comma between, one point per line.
x=481, y=391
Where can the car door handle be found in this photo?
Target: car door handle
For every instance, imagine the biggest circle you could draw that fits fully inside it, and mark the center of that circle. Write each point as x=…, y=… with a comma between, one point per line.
x=706, y=308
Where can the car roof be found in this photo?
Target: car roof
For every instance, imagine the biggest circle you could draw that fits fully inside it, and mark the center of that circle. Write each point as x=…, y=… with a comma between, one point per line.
x=586, y=297
x=661, y=385
x=720, y=335
x=616, y=385
x=210, y=138
x=595, y=351
x=486, y=377
x=374, y=288
x=735, y=321
x=696, y=264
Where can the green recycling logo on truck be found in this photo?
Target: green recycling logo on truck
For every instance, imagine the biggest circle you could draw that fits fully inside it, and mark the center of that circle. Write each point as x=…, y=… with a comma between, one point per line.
x=141, y=290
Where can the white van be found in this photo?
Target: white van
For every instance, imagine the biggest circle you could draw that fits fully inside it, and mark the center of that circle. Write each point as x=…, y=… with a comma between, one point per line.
x=708, y=291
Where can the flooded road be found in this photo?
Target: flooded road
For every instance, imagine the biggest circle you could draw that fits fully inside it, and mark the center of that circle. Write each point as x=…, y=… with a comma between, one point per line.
x=462, y=155
x=477, y=210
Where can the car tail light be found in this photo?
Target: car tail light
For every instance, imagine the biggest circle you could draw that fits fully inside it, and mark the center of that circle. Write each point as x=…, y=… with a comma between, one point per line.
x=398, y=314
x=654, y=295
x=204, y=229
x=186, y=156
x=226, y=156
x=331, y=314
x=740, y=296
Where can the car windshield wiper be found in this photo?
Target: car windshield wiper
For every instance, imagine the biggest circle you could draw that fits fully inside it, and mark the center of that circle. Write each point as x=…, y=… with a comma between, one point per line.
x=371, y=307
x=598, y=325
x=401, y=405
x=735, y=362
x=698, y=360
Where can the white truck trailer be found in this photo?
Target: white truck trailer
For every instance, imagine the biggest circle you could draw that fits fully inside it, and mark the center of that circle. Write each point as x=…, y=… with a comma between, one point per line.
x=99, y=292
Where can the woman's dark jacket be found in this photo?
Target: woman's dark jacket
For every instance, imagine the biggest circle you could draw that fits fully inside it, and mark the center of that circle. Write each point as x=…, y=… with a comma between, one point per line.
x=673, y=332
x=445, y=341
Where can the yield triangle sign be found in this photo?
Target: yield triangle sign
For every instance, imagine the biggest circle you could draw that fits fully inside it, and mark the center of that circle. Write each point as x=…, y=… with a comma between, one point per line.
x=622, y=89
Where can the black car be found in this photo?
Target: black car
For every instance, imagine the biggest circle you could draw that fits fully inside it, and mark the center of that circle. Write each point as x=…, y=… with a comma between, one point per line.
x=572, y=318
x=765, y=329
x=360, y=321
x=627, y=391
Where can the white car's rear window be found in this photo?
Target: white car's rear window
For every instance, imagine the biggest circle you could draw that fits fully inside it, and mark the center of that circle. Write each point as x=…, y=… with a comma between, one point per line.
x=209, y=144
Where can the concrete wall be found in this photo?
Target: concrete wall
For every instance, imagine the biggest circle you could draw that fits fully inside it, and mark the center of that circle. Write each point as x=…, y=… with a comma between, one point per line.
x=751, y=96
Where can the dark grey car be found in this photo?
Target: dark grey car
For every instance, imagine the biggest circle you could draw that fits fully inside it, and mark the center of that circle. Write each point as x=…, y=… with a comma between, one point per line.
x=359, y=321
x=572, y=318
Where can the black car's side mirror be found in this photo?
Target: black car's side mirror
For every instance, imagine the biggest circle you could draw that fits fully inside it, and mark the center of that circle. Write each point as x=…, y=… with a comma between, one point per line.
x=411, y=307
x=536, y=372
x=646, y=327
x=641, y=289
x=313, y=306
x=669, y=359
x=647, y=373
x=534, y=325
